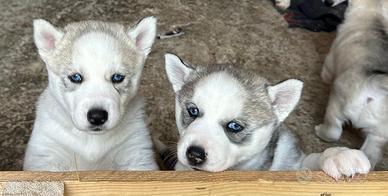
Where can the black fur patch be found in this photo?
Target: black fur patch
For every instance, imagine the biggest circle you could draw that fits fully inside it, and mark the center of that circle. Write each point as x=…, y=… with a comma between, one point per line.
x=169, y=159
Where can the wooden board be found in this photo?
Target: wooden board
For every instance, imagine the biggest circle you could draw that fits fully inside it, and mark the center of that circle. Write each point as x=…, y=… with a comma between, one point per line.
x=204, y=183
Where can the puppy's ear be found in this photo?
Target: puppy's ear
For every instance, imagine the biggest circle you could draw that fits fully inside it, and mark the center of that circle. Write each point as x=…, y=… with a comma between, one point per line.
x=144, y=34
x=284, y=97
x=46, y=37
x=177, y=71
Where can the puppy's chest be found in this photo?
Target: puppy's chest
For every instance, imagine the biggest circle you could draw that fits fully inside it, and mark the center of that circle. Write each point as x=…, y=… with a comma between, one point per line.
x=93, y=156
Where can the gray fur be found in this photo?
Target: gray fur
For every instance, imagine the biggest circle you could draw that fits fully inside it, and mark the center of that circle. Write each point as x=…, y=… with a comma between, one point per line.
x=73, y=31
x=231, y=94
x=61, y=59
x=257, y=110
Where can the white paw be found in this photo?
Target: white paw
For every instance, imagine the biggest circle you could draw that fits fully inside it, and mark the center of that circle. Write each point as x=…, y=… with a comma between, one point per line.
x=318, y=129
x=341, y=161
x=283, y=4
x=331, y=134
x=320, y=132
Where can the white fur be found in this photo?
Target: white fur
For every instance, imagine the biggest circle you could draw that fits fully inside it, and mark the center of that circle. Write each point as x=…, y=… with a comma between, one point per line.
x=285, y=96
x=343, y=161
x=338, y=161
x=46, y=37
x=220, y=96
x=337, y=2
x=56, y=145
x=144, y=34
x=62, y=138
x=354, y=96
x=210, y=94
x=96, y=91
x=177, y=72
x=283, y=4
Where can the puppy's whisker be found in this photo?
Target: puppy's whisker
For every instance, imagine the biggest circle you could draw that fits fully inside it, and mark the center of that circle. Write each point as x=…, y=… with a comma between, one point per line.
x=76, y=167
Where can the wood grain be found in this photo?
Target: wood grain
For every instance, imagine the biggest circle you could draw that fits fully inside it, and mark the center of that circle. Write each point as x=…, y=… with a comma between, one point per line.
x=204, y=183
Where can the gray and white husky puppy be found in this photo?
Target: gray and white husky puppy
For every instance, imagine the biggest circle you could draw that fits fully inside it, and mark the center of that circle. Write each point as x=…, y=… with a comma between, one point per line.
x=90, y=116
x=357, y=68
x=231, y=119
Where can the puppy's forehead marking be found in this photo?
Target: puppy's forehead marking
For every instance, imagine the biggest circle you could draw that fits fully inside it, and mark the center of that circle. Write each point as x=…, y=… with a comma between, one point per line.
x=228, y=93
x=99, y=37
x=96, y=49
x=220, y=95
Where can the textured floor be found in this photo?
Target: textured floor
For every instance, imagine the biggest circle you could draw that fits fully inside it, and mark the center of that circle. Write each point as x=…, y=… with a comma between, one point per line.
x=249, y=32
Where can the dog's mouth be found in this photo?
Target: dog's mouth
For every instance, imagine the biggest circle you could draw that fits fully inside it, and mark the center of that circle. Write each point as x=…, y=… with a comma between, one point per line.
x=96, y=129
x=198, y=169
x=204, y=169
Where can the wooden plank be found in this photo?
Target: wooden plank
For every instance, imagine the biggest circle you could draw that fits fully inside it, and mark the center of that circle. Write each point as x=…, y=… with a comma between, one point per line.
x=204, y=183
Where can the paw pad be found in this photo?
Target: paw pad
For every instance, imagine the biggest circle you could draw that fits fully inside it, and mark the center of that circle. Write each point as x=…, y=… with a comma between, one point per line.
x=340, y=161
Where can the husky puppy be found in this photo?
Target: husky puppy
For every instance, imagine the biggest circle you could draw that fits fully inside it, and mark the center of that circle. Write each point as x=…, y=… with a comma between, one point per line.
x=357, y=67
x=90, y=116
x=229, y=119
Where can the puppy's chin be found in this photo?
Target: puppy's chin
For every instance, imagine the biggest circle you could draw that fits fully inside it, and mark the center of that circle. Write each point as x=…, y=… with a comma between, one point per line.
x=93, y=130
x=100, y=132
x=208, y=168
x=96, y=131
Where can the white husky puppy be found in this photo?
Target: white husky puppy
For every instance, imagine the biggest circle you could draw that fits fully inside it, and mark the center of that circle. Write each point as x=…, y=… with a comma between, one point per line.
x=230, y=119
x=357, y=67
x=90, y=116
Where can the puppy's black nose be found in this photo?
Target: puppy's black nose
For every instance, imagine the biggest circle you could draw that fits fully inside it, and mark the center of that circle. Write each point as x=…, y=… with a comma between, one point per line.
x=97, y=116
x=196, y=155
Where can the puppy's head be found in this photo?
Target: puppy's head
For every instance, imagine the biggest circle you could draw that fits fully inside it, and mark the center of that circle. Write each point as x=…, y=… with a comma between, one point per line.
x=94, y=68
x=225, y=116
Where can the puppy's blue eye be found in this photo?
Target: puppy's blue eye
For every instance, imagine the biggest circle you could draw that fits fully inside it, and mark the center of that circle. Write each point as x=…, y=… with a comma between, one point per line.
x=75, y=78
x=117, y=78
x=193, y=112
x=234, y=127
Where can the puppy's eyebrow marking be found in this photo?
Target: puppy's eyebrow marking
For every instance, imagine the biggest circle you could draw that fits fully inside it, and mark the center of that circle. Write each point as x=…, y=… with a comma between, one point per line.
x=115, y=87
x=120, y=90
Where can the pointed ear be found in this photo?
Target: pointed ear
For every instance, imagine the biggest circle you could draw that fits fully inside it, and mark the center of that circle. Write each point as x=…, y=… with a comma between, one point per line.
x=177, y=71
x=46, y=37
x=144, y=34
x=284, y=97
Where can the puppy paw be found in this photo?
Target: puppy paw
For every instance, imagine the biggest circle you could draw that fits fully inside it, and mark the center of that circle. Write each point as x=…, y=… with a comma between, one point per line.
x=341, y=161
x=283, y=4
x=329, y=134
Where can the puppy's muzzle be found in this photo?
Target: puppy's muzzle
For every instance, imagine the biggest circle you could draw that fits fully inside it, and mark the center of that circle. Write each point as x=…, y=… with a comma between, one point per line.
x=97, y=116
x=196, y=155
